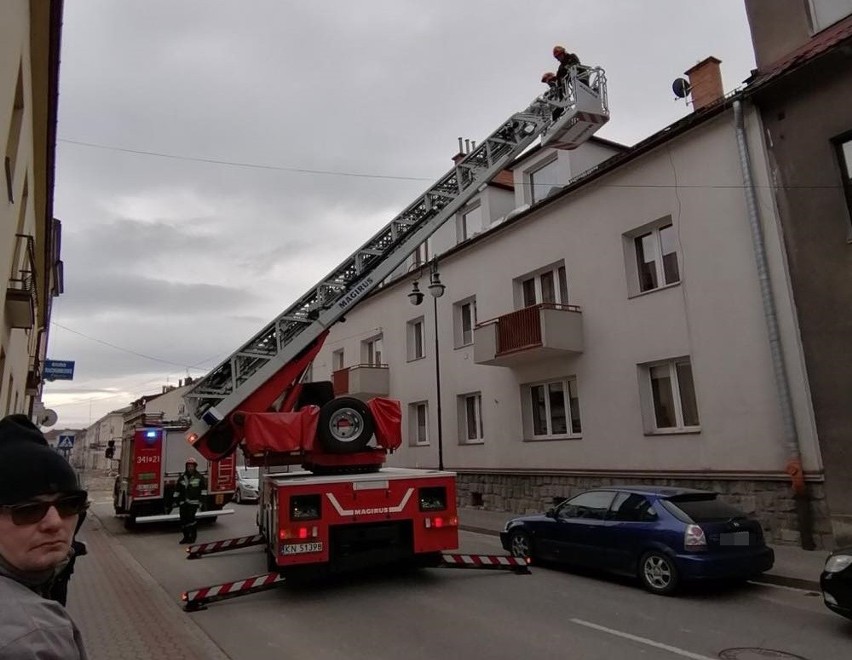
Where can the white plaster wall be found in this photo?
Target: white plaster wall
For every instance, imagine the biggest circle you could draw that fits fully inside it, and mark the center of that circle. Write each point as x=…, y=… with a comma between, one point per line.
x=714, y=316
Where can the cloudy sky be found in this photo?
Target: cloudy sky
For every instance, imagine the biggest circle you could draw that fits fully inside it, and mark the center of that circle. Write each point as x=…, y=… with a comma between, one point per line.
x=216, y=158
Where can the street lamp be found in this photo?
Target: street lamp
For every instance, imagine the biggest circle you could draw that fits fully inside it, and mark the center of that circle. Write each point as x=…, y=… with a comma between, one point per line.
x=436, y=289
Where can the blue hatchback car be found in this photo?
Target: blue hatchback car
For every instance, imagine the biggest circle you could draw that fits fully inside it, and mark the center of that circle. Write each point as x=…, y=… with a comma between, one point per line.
x=661, y=535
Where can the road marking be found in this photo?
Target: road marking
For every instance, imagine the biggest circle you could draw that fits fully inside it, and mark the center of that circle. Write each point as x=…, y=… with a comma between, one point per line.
x=644, y=640
x=809, y=592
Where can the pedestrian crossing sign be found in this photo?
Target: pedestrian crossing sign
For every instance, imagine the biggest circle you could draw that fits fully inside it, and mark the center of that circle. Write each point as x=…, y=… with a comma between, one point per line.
x=65, y=442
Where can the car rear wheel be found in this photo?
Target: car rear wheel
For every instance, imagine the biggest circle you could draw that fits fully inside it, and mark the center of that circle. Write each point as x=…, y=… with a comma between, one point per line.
x=658, y=573
x=520, y=545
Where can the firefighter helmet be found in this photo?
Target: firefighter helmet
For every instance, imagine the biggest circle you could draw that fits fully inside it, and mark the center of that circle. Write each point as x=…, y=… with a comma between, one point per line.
x=191, y=461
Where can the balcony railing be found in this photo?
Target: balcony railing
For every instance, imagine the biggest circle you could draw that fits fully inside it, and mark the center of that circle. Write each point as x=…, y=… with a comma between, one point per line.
x=529, y=334
x=20, y=308
x=362, y=381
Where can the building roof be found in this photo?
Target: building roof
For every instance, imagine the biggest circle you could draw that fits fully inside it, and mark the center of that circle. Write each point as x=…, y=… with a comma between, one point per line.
x=820, y=44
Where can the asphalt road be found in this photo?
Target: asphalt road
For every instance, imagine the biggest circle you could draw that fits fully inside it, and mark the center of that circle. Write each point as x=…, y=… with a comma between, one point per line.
x=443, y=614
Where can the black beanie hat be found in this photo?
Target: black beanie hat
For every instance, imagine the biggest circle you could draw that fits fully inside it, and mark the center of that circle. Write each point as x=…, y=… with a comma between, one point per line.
x=28, y=465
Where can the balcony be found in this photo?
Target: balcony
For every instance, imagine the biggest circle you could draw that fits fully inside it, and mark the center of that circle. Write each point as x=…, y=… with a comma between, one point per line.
x=528, y=335
x=362, y=381
x=20, y=306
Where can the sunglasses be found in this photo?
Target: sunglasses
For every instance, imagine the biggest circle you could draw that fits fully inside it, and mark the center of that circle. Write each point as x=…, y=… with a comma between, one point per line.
x=32, y=512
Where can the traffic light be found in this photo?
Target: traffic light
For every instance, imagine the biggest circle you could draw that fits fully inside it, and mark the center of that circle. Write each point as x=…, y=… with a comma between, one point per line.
x=110, y=450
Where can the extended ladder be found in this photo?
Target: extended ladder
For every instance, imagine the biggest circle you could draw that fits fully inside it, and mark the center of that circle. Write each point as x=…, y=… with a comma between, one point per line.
x=582, y=100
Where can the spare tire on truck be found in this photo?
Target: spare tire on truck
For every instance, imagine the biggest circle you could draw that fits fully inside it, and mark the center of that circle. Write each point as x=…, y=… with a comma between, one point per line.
x=345, y=426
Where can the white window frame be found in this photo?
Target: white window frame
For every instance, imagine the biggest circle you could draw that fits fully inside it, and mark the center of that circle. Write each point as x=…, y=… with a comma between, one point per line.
x=337, y=360
x=634, y=278
x=460, y=314
x=532, y=172
x=569, y=385
x=414, y=417
x=560, y=281
x=411, y=334
x=475, y=212
x=371, y=355
x=649, y=405
x=464, y=400
x=420, y=256
x=843, y=148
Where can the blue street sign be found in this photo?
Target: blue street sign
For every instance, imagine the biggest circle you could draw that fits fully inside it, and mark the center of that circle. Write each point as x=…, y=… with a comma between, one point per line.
x=58, y=370
x=65, y=442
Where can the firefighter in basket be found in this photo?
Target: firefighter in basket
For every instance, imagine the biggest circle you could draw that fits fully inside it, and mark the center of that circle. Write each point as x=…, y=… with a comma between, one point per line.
x=189, y=494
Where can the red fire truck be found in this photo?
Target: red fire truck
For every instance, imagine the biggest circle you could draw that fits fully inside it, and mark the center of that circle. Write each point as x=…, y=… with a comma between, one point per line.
x=346, y=511
x=152, y=458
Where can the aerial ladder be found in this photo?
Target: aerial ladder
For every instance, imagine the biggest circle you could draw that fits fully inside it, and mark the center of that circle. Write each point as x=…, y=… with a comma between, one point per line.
x=310, y=522
x=263, y=374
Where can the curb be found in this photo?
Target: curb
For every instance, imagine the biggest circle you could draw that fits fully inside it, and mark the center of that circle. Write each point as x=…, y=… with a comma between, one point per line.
x=768, y=578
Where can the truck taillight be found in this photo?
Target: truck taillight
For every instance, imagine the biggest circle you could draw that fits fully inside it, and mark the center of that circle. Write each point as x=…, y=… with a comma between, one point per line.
x=294, y=533
x=192, y=438
x=436, y=522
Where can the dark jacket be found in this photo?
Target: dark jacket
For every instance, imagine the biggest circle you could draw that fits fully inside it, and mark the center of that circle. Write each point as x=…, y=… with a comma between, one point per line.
x=568, y=60
x=191, y=489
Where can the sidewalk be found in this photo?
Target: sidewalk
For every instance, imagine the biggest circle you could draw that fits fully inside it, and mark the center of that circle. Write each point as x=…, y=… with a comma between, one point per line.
x=122, y=612
x=793, y=567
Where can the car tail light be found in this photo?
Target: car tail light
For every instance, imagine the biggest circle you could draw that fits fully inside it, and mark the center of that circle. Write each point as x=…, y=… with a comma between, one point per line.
x=693, y=538
x=437, y=522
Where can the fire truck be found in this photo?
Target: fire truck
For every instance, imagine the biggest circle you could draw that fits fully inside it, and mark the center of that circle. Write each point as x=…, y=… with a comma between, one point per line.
x=344, y=510
x=153, y=456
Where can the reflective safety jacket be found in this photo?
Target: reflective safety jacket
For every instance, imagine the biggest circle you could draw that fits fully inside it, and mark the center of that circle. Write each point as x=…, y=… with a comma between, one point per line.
x=191, y=488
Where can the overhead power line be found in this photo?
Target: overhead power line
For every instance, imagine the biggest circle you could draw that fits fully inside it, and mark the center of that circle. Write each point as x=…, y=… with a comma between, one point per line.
x=231, y=163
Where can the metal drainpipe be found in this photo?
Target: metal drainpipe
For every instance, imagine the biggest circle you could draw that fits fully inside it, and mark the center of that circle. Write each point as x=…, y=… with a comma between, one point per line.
x=791, y=437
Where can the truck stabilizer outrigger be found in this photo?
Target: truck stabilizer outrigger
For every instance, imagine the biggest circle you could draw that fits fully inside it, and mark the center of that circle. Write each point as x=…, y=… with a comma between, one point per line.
x=198, y=599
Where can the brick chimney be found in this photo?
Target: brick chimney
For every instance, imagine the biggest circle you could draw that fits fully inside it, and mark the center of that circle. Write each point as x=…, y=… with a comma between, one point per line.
x=705, y=82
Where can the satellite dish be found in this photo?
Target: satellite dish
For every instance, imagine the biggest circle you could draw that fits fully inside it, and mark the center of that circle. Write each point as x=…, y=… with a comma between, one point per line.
x=48, y=417
x=681, y=87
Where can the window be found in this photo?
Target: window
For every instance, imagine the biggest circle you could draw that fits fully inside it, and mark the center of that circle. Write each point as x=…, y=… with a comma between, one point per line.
x=554, y=409
x=418, y=429
x=421, y=255
x=546, y=286
x=543, y=180
x=656, y=258
x=464, y=321
x=373, y=351
x=470, y=223
x=337, y=360
x=844, y=158
x=593, y=505
x=471, y=418
x=671, y=404
x=415, y=339
x=701, y=508
x=13, y=138
x=630, y=507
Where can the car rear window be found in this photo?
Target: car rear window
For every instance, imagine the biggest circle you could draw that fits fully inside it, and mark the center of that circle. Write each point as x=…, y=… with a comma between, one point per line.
x=704, y=509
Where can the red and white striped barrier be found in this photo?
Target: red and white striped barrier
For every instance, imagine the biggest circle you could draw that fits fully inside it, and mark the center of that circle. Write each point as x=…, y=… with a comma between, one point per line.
x=493, y=562
x=201, y=549
x=196, y=599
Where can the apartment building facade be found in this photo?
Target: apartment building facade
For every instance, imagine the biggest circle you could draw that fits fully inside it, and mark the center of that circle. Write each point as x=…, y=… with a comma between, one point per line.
x=612, y=328
x=803, y=52
x=29, y=234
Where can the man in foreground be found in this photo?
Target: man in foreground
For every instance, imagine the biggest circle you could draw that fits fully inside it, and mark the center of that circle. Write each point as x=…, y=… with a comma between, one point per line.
x=40, y=502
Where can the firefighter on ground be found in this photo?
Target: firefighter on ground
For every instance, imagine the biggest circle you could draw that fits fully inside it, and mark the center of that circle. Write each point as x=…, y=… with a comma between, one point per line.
x=190, y=491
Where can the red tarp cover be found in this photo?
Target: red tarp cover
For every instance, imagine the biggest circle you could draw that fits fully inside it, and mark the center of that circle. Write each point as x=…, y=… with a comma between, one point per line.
x=387, y=416
x=281, y=431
